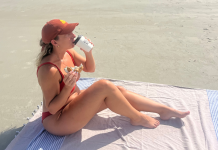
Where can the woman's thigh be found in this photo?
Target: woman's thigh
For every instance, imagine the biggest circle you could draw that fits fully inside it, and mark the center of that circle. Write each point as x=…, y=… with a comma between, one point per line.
x=81, y=109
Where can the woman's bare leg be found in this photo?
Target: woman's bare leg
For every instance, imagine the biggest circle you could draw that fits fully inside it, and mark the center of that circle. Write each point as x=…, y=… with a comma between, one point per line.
x=142, y=103
x=80, y=110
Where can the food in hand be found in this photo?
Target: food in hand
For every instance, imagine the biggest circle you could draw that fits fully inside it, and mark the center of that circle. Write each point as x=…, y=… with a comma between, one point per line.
x=76, y=68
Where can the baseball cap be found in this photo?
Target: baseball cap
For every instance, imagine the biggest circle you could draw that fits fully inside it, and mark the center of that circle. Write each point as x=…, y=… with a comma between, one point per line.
x=56, y=27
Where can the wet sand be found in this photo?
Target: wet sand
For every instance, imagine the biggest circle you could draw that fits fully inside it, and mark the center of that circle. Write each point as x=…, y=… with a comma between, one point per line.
x=167, y=42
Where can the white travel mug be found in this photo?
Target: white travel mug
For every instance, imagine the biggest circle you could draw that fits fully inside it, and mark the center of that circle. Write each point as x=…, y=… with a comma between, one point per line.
x=83, y=43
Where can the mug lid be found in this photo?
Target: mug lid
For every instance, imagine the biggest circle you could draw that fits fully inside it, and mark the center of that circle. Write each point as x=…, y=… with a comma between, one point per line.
x=77, y=39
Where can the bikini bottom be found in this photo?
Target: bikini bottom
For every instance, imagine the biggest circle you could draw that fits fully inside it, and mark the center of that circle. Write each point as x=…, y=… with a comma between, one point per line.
x=46, y=114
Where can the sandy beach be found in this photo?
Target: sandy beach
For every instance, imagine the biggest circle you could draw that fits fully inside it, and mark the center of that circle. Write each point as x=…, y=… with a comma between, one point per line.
x=168, y=41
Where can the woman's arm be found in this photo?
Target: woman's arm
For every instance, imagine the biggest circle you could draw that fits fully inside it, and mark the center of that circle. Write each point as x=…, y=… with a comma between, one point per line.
x=88, y=62
x=59, y=100
x=48, y=78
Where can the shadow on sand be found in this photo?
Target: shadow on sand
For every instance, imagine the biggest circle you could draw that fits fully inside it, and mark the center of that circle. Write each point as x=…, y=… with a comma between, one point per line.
x=7, y=136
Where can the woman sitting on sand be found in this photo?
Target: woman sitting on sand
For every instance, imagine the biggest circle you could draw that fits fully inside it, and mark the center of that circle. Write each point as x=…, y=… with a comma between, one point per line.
x=66, y=108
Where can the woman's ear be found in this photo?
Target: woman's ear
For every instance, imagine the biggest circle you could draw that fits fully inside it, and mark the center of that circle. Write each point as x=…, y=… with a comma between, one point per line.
x=54, y=43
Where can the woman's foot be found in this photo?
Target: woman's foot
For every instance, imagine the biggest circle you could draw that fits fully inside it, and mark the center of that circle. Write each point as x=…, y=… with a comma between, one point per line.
x=167, y=113
x=146, y=121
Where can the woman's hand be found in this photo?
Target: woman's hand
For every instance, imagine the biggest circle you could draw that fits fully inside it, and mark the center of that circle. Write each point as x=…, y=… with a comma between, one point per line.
x=78, y=77
x=70, y=79
x=90, y=50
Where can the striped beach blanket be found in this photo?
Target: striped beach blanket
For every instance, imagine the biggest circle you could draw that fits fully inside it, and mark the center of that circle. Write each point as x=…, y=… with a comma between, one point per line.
x=213, y=102
x=108, y=130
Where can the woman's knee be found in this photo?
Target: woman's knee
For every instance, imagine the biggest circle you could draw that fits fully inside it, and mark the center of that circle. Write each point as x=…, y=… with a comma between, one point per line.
x=105, y=84
x=122, y=89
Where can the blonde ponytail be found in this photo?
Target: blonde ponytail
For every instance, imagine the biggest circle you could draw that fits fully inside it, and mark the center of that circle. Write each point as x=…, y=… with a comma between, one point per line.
x=46, y=50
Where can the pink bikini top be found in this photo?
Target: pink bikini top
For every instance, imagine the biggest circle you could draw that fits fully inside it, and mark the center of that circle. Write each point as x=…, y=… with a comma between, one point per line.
x=62, y=83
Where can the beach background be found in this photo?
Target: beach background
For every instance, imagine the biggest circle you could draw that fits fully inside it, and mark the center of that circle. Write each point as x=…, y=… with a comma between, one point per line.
x=170, y=42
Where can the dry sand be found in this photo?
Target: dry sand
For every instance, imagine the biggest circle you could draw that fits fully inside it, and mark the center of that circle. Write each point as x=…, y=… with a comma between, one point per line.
x=167, y=41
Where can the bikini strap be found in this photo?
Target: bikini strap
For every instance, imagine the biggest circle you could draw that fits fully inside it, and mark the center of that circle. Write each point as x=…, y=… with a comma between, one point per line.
x=51, y=64
x=71, y=57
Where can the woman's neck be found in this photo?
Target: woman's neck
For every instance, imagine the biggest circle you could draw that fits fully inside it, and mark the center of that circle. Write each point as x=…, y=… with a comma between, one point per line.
x=59, y=54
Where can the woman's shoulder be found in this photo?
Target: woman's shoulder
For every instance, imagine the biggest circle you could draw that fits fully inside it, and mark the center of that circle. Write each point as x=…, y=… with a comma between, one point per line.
x=46, y=73
x=71, y=51
x=47, y=68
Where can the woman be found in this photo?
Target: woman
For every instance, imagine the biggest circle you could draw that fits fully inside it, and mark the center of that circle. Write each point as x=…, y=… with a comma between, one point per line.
x=66, y=108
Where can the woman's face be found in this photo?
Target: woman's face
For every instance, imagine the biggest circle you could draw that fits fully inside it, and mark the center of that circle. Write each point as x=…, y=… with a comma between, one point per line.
x=65, y=41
